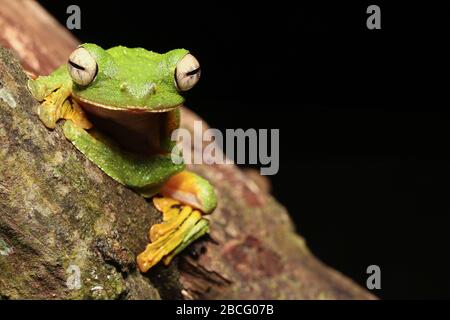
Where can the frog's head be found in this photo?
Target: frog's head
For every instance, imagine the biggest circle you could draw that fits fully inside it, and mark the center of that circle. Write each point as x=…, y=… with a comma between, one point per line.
x=131, y=79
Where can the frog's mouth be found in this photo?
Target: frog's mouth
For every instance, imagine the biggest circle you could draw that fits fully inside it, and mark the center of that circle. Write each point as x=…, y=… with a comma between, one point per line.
x=134, y=129
x=127, y=109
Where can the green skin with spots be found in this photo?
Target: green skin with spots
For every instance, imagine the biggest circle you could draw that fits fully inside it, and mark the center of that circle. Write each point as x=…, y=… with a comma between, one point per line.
x=132, y=83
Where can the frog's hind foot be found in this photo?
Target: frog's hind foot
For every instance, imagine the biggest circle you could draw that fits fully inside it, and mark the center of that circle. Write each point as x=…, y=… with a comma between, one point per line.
x=189, y=188
x=181, y=225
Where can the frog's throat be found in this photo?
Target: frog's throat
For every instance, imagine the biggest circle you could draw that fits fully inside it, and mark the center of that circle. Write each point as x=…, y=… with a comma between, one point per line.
x=131, y=109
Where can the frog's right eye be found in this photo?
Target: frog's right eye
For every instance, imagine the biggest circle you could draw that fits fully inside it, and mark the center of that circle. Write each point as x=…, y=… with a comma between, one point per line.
x=82, y=67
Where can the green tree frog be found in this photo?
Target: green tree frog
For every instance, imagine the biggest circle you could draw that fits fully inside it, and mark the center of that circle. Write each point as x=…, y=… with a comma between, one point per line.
x=121, y=107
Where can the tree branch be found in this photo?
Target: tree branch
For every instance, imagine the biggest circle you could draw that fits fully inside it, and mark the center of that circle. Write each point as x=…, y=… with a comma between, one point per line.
x=58, y=210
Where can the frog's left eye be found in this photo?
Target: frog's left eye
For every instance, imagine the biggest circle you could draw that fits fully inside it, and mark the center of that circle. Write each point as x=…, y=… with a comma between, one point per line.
x=187, y=73
x=82, y=67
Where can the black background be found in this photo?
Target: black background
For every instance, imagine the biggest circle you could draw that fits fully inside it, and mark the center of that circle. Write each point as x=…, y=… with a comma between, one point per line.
x=363, y=117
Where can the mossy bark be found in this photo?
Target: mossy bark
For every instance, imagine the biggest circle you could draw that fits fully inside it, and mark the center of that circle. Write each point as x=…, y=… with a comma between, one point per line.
x=58, y=212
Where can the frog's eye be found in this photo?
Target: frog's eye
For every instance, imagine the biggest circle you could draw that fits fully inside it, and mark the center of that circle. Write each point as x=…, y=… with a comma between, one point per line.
x=187, y=73
x=82, y=67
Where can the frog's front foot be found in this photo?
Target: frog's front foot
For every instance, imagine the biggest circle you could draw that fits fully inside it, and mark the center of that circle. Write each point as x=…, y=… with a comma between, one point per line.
x=181, y=225
x=56, y=105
